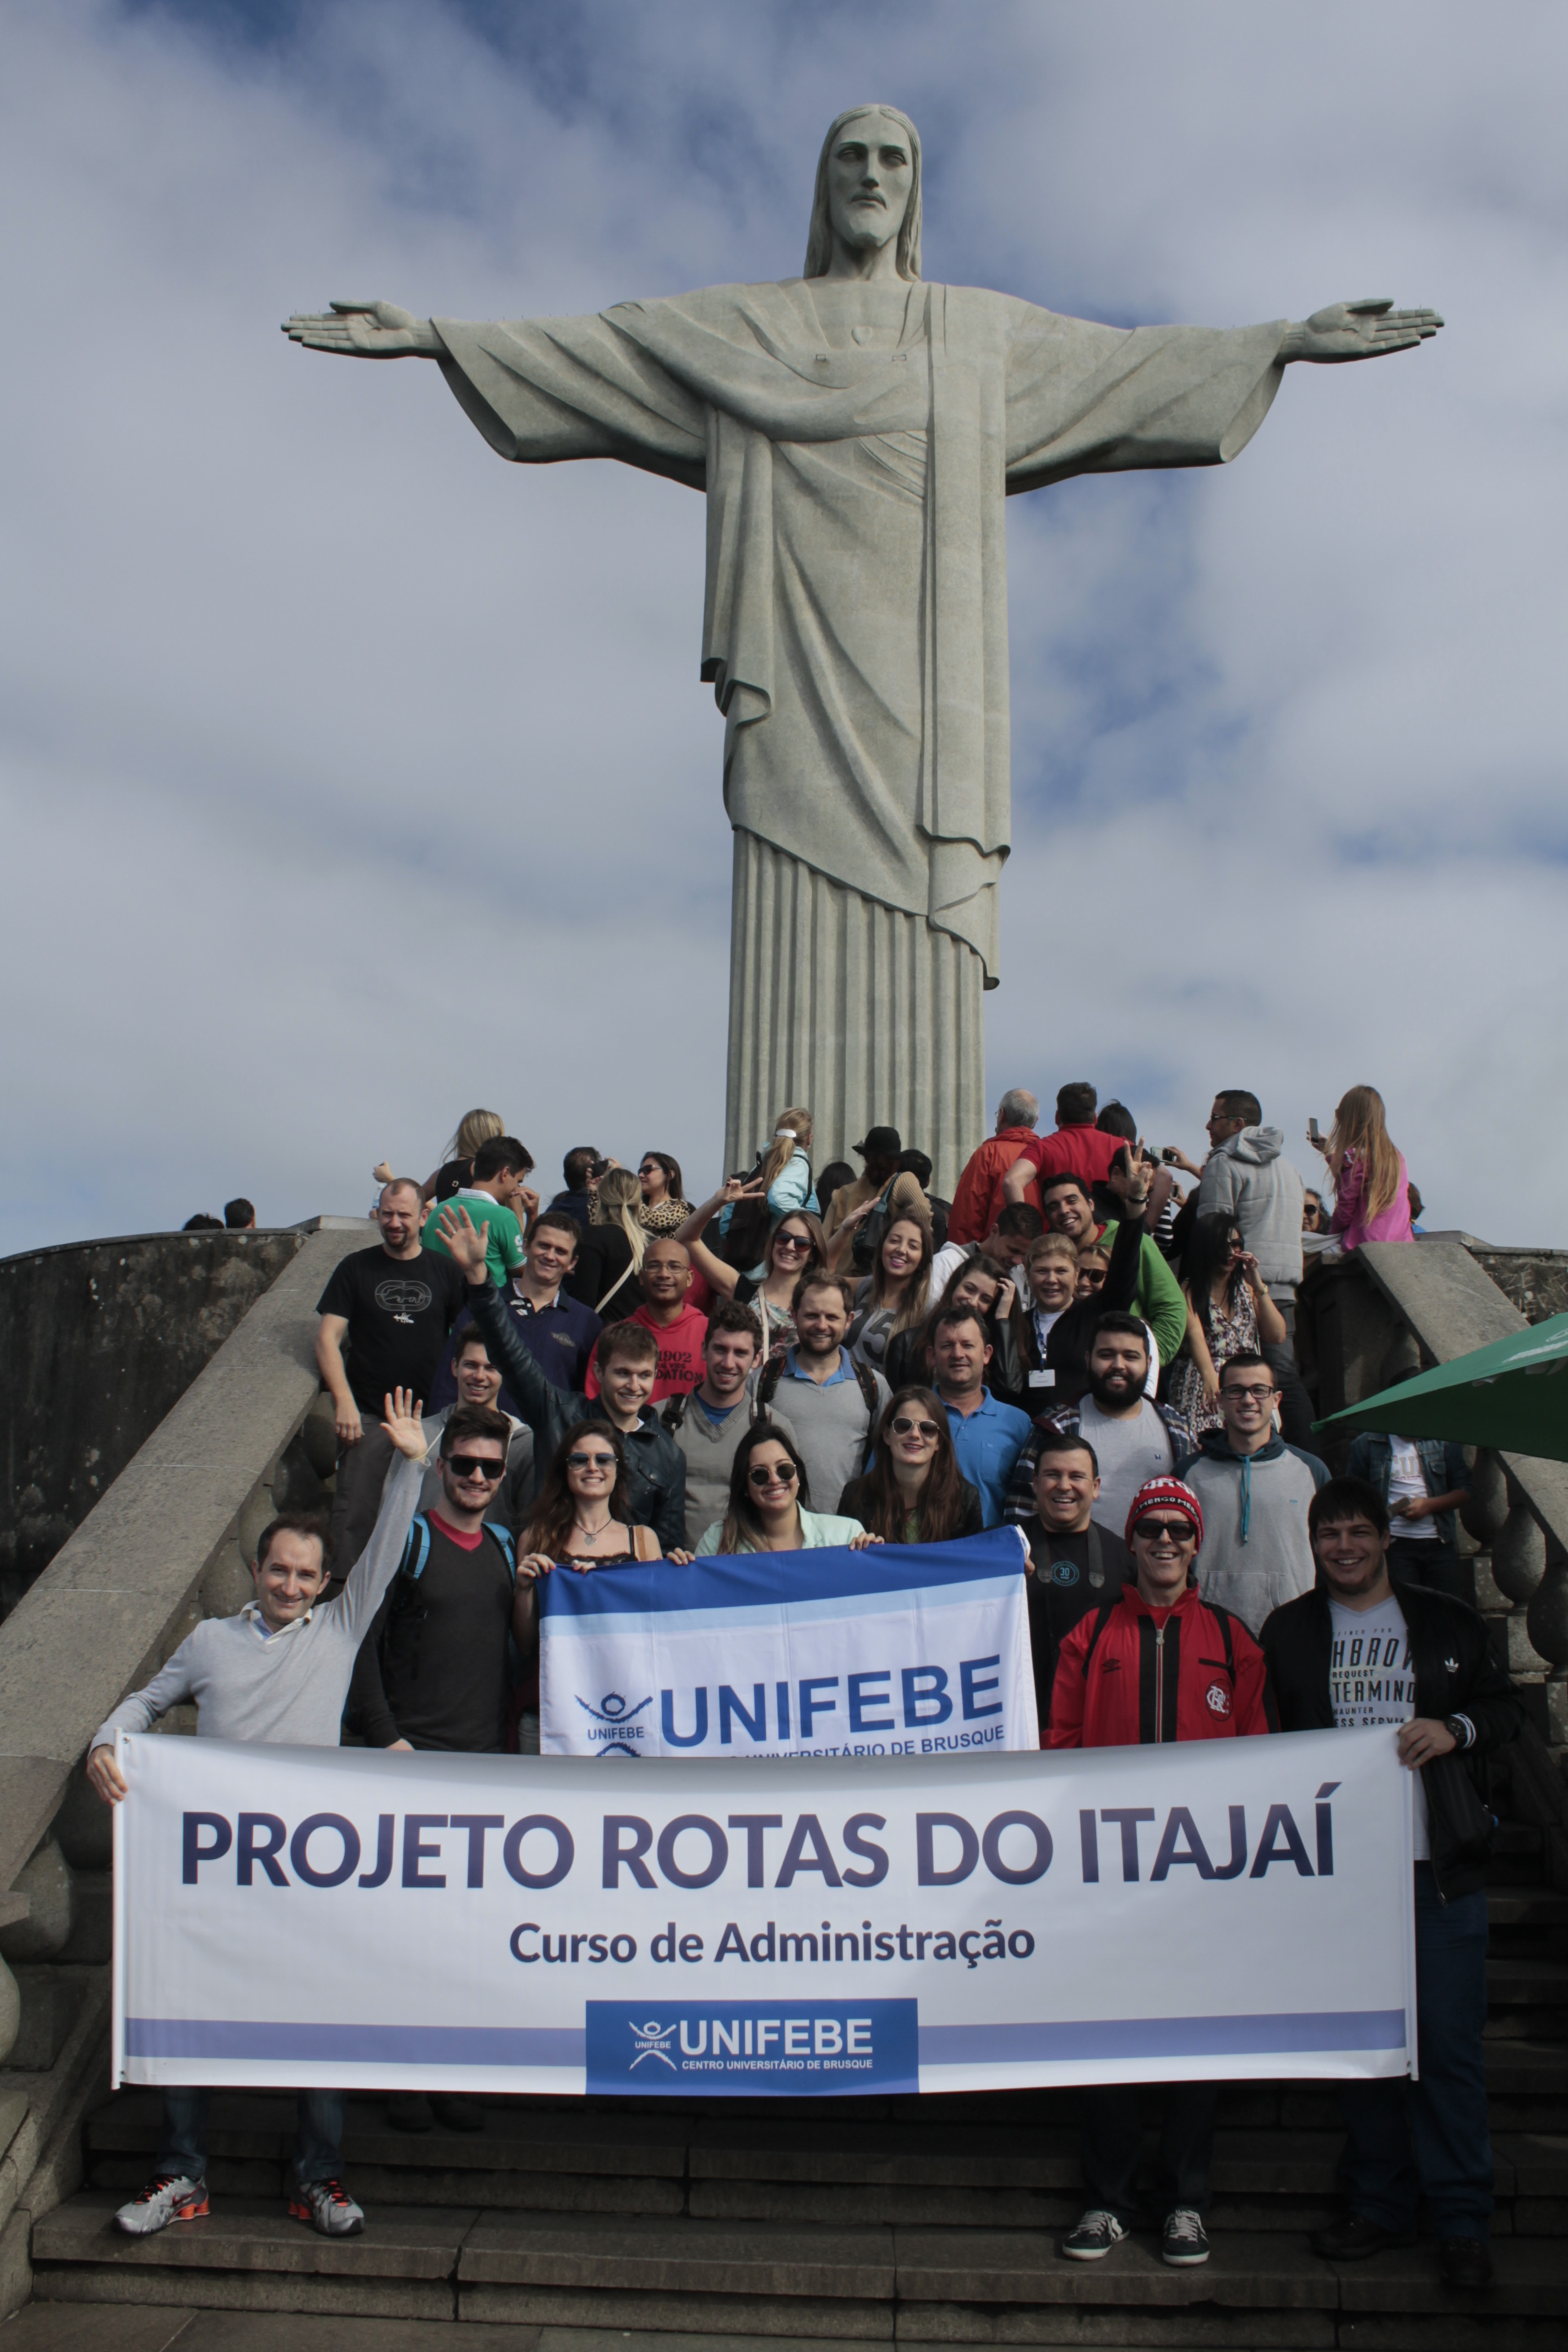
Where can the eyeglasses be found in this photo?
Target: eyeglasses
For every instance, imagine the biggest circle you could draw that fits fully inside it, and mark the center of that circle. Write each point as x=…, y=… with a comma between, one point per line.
x=1247, y=1389
x=590, y=1462
x=1179, y=1531
x=473, y=1465
x=768, y=1475
x=792, y=1241
x=908, y=1427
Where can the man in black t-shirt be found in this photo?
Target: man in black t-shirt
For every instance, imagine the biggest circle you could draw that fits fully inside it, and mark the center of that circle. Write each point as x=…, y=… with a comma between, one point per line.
x=395, y=1306
x=1073, y=1562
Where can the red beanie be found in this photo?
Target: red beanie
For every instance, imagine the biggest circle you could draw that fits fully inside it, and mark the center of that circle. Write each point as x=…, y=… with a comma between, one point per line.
x=1170, y=1496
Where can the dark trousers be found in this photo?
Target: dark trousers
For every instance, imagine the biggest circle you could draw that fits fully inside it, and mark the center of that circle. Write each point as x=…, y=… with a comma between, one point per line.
x=184, y=2145
x=1430, y=2138
x=1112, y=2147
x=356, y=1498
x=1435, y=1564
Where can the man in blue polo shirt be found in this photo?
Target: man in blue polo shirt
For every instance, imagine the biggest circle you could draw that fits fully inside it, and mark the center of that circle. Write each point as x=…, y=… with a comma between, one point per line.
x=557, y=1329
x=987, y=1437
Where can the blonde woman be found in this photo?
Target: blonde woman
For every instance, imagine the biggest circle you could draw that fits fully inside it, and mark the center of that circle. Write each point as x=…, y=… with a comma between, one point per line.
x=1371, y=1184
x=780, y=1182
x=610, y=1256
x=475, y=1127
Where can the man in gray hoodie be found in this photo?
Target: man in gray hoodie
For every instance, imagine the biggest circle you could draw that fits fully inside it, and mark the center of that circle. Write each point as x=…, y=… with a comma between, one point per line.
x=1243, y=1177
x=1256, y=1491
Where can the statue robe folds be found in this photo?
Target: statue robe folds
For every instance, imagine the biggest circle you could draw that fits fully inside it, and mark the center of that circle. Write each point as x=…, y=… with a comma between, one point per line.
x=856, y=628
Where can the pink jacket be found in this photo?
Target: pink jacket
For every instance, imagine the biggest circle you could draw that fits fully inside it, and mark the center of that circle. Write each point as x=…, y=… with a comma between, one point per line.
x=1390, y=1225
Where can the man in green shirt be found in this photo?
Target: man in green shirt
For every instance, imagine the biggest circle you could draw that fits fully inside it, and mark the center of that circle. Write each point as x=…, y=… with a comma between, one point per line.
x=497, y=1196
x=1069, y=1210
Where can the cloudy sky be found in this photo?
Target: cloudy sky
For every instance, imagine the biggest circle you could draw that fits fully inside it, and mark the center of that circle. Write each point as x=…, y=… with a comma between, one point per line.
x=351, y=777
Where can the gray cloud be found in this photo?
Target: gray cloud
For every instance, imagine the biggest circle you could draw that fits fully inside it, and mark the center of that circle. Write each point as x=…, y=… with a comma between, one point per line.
x=351, y=777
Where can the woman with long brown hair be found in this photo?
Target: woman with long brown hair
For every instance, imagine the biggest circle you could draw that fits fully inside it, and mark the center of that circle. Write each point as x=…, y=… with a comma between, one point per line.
x=895, y=1295
x=914, y=1492
x=1371, y=1184
x=582, y=1514
x=768, y=1502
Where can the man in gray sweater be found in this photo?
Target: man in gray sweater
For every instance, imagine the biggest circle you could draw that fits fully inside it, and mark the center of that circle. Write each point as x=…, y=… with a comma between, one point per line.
x=709, y=1424
x=1246, y=1178
x=1256, y=1491
x=277, y=1672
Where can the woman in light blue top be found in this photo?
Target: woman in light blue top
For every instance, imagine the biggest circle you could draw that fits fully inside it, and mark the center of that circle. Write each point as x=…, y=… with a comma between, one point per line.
x=767, y=1502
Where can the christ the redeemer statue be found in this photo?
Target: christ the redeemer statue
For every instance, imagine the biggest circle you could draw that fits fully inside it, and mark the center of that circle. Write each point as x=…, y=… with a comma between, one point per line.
x=856, y=432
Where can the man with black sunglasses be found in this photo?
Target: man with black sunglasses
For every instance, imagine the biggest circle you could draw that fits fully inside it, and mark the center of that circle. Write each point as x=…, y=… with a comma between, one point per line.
x=1157, y=1664
x=432, y=1671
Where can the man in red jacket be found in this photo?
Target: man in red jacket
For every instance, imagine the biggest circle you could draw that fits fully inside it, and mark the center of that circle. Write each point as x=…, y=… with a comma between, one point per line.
x=1156, y=1664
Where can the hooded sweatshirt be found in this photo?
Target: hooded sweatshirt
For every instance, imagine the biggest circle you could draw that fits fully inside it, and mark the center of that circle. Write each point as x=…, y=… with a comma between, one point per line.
x=1256, y=1553
x=1246, y=1179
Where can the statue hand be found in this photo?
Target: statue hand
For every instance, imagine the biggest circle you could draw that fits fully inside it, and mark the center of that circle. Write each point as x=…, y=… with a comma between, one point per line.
x=1358, y=331
x=366, y=331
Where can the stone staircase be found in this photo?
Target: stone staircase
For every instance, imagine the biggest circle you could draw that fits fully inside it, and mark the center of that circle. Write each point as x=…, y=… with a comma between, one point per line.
x=928, y=2222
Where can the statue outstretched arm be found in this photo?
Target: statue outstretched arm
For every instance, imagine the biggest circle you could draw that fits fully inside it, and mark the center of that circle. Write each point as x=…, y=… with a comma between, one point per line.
x=366, y=331
x=1358, y=331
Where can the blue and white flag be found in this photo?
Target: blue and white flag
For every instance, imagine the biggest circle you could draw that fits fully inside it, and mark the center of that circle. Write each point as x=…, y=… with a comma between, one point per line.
x=899, y=1649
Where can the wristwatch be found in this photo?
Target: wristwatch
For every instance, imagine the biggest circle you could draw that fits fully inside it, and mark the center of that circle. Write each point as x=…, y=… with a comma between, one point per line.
x=1461, y=1729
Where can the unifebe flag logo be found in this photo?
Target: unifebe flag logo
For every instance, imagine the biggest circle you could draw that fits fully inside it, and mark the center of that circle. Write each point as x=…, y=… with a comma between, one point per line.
x=752, y=2048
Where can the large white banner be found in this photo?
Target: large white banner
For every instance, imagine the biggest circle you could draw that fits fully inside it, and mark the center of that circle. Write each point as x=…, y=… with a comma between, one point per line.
x=348, y=1917
x=899, y=1649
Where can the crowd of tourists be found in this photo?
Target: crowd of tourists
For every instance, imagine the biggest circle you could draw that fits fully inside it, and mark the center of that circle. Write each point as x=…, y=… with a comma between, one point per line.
x=1072, y=1345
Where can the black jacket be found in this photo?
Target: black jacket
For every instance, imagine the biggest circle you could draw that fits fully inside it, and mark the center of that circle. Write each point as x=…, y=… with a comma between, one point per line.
x=656, y=1466
x=1456, y=1674
x=1067, y=1349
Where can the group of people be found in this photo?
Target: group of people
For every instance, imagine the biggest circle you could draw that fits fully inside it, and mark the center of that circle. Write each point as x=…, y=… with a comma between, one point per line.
x=804, y=1360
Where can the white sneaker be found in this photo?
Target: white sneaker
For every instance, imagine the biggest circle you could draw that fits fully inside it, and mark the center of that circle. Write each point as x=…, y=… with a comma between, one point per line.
x=328, y=2207
x=1092, y=2239
x=168, y=2197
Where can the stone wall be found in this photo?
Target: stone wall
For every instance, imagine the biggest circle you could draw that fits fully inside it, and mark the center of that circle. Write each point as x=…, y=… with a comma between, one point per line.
x=98, y=1340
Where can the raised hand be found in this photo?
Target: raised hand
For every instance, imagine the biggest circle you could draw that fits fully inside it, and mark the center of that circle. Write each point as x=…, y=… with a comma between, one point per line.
x=402, y=1425
x=1358, y=331
x=366, y=331
x=739, y=1187
x=465, y=1242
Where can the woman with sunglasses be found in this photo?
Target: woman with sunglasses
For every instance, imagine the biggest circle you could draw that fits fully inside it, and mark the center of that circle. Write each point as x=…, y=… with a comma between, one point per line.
x=914, y=1492
x=768, y=1499
x=582, y=1515
x=664, y=1207
x=794, y=1247
x=895, y=1296
x=1230, y=1313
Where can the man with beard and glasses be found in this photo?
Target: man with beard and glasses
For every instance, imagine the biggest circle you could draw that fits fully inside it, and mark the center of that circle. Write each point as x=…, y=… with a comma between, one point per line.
x=1134, y=1438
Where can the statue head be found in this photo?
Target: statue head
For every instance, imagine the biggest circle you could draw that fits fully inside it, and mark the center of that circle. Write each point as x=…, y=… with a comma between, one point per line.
x=869, y=129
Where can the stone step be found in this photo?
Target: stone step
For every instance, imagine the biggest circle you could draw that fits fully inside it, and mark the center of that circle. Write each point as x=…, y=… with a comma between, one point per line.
x=1526, y=1907
x=1539, y=1982
x=934, y=2284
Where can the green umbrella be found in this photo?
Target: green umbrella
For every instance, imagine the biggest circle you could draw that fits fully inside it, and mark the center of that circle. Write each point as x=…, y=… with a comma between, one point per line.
x=1511, y=1394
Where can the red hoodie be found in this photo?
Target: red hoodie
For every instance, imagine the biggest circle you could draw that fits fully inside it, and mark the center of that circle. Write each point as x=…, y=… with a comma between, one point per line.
x=1130, y=1675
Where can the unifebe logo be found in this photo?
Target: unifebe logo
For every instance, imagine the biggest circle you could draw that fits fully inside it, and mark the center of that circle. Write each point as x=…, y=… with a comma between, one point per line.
x=615, y=1729
x=744, y=2049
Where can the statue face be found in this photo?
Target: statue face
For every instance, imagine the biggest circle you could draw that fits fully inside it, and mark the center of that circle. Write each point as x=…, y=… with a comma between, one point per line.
x=869, y=174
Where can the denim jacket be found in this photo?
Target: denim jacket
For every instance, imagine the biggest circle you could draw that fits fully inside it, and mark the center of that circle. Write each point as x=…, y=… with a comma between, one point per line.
x=1442, y=1467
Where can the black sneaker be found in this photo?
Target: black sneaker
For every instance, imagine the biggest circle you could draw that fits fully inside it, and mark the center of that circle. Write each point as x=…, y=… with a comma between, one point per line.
x=1184, y=2240
x=1356, y=2238
x=1467, y=2261
x=1093, y=2237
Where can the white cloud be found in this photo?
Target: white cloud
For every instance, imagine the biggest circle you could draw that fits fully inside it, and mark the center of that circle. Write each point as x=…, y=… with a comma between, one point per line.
x=351, y=777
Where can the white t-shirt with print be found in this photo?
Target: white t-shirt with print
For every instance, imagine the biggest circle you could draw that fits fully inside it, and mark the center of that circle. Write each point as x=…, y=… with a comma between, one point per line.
x=1406, y=1484
x=1373, y=1681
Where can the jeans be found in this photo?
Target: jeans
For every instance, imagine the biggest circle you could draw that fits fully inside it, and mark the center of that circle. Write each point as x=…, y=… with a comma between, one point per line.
x=1420, y=1560
x=1430, y=2138
x=356, y=1498
x=1112, y=2147
x=184, y=2145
